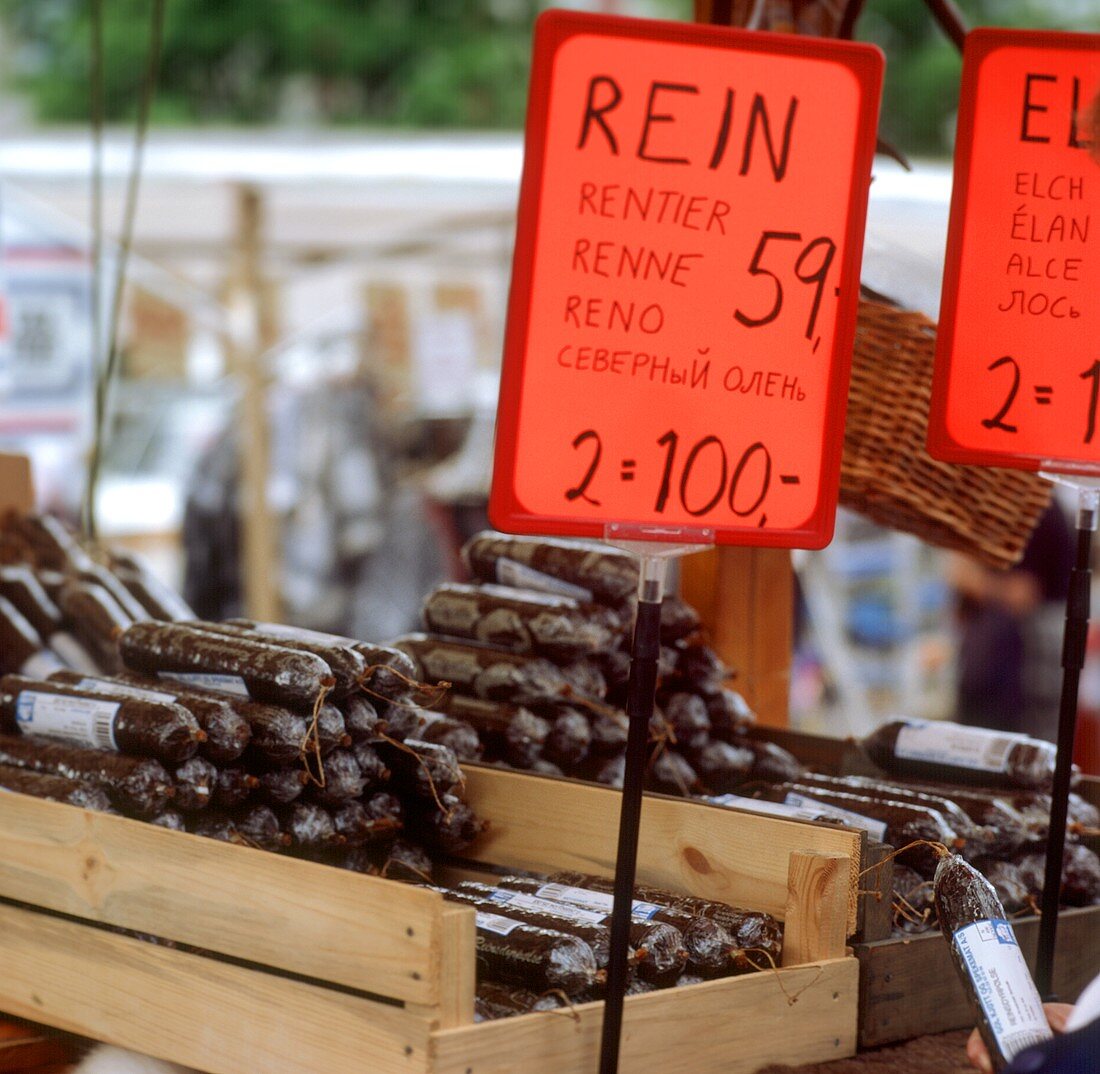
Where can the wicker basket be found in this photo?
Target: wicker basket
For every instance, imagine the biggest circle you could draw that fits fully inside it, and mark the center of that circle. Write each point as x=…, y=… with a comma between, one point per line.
x=887, y=473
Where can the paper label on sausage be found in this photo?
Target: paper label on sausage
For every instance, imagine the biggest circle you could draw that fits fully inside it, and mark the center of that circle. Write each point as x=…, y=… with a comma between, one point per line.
x=450, y=665
x=75, y=719
x=72, y=654
x=952, y=744
x=876, y=829
x=768, y=809
x=227, y=684
x=41, y=665
x=452, y=613
x=595, y=900
x=522, y=901
x=1003, y=984
x=98, y=686
x=520, y=576
x=495, y=923
x=292, y=633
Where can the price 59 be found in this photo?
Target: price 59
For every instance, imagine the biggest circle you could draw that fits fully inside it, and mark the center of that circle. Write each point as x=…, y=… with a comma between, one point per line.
x=811, y=267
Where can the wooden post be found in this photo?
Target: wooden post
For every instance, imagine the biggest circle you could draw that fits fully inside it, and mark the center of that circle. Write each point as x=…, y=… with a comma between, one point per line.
x=817, y=906
x=252, y=320
x=876, y=893
x=16, y=487
x=745, y=597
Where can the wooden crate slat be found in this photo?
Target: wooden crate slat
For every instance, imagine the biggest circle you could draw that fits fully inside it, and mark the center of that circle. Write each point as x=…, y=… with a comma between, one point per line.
x=731, y=1026
x=457, y=968
x=217, y=1017
x=296, y=915
x=909, y=987
x=547, y=824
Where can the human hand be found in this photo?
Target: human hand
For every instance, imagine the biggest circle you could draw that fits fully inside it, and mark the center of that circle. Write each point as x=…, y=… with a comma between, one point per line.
x=978, y=1054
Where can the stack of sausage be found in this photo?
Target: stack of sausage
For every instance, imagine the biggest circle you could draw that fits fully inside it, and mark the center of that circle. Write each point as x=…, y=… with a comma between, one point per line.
x=252, y=733
x=62, y=605
x=541, y=941
x=988, y=799
x=537, y=654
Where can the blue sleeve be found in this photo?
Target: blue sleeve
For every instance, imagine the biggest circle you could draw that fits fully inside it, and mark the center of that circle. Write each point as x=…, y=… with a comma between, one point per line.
x=1070, y=1053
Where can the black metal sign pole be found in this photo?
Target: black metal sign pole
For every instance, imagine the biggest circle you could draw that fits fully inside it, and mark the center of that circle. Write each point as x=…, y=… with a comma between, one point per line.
x=641, y=693
x=1073, y=659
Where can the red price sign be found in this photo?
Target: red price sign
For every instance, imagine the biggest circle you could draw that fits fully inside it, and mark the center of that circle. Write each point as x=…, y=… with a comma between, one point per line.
x=1017, y=376
x=685, y=281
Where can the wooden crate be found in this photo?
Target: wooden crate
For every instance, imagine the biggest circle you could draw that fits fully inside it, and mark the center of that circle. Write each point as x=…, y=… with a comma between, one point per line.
x=909, y=986
x=310, y=969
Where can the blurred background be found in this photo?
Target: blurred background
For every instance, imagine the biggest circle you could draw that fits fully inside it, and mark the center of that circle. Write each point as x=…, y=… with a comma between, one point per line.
x=317, y=267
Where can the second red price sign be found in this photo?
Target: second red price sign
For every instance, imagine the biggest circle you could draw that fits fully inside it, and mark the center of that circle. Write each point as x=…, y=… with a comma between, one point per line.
x=1017, y=379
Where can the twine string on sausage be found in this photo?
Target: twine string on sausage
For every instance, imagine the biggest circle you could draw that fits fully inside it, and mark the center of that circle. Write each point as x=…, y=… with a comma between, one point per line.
x=312, y=740
x=567, y=1008
x=598, y=708
x=398, y=744
x=791, y=997
x=904, y=909
x=941, y=852
x=662, y=738
x=385, y=870
x=427, y=694
x=1082, y=830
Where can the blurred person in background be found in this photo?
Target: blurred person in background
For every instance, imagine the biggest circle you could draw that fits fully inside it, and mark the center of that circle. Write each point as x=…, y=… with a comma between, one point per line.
x=1011, y=625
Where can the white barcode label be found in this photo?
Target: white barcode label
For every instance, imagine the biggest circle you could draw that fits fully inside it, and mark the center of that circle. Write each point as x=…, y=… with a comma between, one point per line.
x=520, y=576
x=595, y=900
x=522, y=901
x=1003, y=984
x=41, y=665
x=227, y=684
x=82, y=720
x=876, y=829
x=953, y=744
x=99, y=686
x=495, y=923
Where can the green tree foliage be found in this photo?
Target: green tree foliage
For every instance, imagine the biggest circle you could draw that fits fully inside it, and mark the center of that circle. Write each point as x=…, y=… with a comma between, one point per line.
x=416, y=62
x=419, y=63
x=921, y=91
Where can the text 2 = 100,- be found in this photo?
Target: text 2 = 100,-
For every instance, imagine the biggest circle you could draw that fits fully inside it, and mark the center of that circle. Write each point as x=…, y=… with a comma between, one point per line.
x=702, y=478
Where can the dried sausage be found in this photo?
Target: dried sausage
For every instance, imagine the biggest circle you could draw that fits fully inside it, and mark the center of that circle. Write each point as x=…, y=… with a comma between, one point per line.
x=21, y=649
x=195, y=781
x=19, y=585
x=582, y=569
x=995, y=976
x=138, y=785
x=535, y=958
x=484, y=672
x=345, y=664
x=512, y=730
x=265, y=672
x=126, y=724
x=54, y=788
x=939, y=750
x=522, y=621
x=227, y=733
